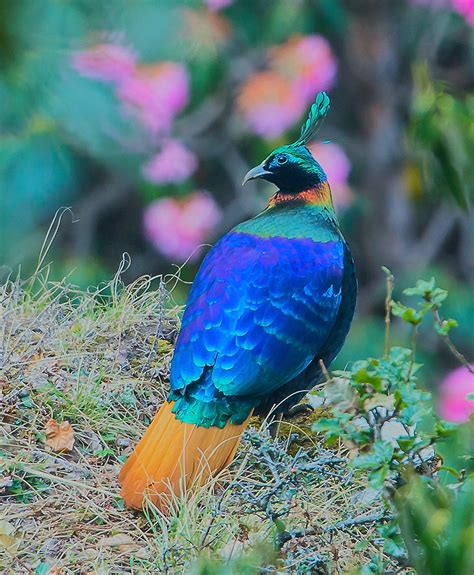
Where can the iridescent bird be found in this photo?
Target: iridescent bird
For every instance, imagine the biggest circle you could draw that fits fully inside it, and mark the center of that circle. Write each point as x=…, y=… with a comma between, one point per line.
x=272, y=298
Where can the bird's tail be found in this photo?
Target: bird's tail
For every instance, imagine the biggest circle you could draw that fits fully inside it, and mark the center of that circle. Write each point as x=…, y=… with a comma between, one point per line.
x=173, y=456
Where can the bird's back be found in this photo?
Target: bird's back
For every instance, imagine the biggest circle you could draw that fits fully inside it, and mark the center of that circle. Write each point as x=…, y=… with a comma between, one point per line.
x=261, y=308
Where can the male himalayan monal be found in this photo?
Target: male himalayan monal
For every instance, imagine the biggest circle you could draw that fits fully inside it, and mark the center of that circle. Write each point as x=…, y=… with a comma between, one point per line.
x=271, y=303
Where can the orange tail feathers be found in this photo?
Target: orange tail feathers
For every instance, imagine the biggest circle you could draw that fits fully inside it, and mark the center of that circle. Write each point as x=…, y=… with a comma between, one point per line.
x=173, y=456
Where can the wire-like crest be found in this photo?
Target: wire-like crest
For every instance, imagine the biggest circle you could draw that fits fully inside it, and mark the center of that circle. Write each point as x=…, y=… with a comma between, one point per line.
x=318, y=112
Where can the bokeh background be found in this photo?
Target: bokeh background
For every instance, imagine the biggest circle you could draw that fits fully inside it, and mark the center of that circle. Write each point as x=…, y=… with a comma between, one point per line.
x=143, y=117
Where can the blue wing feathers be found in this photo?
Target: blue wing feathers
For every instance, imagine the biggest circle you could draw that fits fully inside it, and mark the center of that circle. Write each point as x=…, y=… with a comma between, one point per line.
x=308, y=378
x=257, y=314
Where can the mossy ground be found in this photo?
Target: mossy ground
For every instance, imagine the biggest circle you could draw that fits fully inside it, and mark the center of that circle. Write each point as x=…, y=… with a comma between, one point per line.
x=100, y=360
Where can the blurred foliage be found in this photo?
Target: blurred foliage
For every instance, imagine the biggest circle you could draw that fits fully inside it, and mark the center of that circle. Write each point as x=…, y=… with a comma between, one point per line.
x=437, y=525
x=442, y=136
x=422, y=463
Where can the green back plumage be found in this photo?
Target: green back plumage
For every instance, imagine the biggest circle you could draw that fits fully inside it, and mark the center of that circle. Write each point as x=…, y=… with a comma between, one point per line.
x=316, y=222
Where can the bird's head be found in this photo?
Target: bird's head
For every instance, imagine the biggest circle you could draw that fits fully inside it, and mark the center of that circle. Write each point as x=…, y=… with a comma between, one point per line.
x=292, y=168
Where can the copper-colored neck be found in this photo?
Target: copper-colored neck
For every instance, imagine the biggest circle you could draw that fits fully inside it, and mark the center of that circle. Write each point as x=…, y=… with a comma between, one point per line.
x=317, y=195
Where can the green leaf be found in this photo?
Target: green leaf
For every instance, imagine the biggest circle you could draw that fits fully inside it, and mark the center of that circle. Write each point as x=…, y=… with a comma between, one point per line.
x=381, y=453
x=446, y=326
x=406, y=443
x=422, y=288
x=377, y=477
x=452, y=176
x=361, y=545
x=451, y=470
x=394, y=546
x=408, y=314
x=438, y=296
x=43, y=568
x=327, y=425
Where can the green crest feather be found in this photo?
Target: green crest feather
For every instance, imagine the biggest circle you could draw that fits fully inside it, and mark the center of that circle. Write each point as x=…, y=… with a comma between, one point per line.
x=318, y=112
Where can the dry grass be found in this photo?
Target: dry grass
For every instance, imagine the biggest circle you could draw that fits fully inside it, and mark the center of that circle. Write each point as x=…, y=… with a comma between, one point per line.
x=100, y=360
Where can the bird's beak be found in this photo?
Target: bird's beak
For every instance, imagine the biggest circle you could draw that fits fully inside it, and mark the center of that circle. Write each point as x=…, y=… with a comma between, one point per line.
x=257, y=172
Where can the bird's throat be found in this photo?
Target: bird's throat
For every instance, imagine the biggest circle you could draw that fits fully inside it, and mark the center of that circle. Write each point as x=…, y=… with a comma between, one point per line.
x=318, y=195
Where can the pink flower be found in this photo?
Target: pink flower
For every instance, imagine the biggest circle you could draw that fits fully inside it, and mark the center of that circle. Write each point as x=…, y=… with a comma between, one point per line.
x=269, y=105
x=155, y=93
x=465, y=8
x=337, y=166
x=106, y=62
x=307, y=62
x=218, y=4
x=178, y=227
x=174, y=163
x=454, y=404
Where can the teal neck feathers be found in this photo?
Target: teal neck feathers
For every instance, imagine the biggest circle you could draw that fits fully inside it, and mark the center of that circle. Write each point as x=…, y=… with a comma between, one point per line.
x=307, y=214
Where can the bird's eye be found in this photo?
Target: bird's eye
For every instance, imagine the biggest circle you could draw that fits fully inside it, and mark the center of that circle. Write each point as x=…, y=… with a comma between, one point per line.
x=282, y=159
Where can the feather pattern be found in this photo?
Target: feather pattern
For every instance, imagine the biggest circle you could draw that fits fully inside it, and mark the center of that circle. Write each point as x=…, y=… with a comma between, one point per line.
x=259, y=310
x=317, y=114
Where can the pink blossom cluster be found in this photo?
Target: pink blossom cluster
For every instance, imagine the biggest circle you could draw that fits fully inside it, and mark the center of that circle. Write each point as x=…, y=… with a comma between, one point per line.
x=272, y=101
x=151, y=93
x=337, y=166
x=154, y=94
x=465, y=8
x=173, y=163
x=456, y=395
x=106, y=62
x=178, y=227
x=269, y=104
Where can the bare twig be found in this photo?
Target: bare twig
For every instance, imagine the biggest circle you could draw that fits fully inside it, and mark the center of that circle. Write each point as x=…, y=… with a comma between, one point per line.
x=341, y=525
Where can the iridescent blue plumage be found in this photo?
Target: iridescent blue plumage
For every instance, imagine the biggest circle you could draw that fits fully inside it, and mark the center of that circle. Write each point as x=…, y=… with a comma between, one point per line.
x=259, y=311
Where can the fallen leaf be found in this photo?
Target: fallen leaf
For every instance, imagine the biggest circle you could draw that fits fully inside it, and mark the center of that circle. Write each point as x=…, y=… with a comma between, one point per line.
x=5, y=481
x=340, y=394
x=59, y=436
x=379, y=400
x=124, y=542
x=8, y=540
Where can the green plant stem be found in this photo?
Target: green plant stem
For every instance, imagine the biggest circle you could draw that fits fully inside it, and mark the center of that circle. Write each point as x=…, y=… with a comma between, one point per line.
x=414, y=335
x=447, y=340
x=388, y=299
